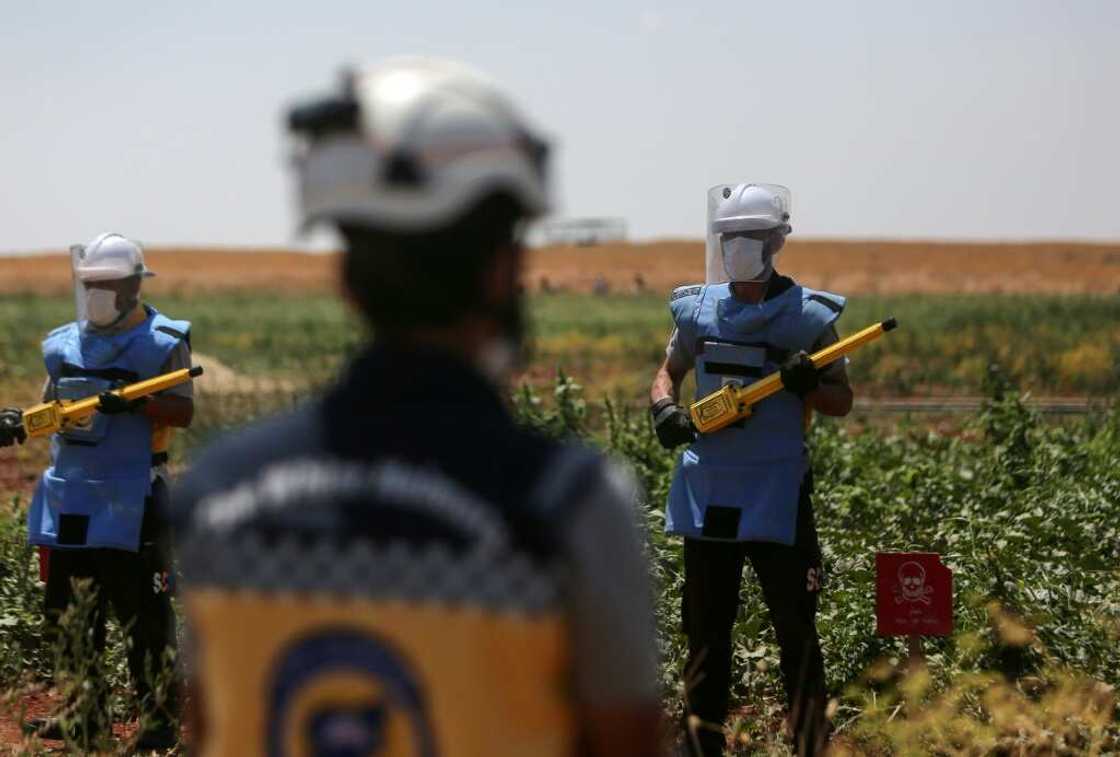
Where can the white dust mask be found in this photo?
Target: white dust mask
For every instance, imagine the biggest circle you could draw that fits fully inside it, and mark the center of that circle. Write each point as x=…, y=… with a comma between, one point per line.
x=101, y=307
x=744, y=258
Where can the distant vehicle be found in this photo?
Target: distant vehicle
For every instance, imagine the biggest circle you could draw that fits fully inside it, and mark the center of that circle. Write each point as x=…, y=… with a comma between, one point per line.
x=583, y=232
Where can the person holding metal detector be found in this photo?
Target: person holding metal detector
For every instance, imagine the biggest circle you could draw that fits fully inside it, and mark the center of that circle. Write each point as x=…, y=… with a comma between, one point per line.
x=744, y=491
x=99, y=509
x=398, y=568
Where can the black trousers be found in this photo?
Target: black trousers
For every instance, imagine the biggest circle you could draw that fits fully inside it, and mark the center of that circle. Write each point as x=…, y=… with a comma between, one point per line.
x=791, y=580
x=137, y=586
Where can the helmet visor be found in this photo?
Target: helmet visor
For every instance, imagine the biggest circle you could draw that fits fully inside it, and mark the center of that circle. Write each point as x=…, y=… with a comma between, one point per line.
x=715, y=271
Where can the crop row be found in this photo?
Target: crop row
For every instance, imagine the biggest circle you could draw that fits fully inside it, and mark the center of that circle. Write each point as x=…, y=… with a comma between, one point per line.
x=1052, y=345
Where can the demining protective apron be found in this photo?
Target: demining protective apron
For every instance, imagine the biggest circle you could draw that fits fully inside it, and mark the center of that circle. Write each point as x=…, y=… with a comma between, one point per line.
x=92, y=495
x=742, y=482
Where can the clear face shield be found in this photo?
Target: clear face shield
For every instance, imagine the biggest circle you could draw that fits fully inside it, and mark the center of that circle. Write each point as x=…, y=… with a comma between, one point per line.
x=81, y=312
x=100, y=303
x=741, y=223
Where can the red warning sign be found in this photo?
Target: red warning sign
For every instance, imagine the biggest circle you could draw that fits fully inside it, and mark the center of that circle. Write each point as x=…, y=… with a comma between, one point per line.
x=913, y=596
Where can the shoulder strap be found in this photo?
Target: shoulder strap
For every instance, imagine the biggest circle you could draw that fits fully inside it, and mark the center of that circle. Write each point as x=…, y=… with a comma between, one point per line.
x=831, y=304
x=819, y=311
x=180, y=331
x=685, y=291
x=685, y=305
x=54, y=349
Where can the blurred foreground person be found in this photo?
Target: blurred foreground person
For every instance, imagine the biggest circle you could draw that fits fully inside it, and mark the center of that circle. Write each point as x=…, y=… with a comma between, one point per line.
x=744, y=492
x=100, y=509
x=397, y=568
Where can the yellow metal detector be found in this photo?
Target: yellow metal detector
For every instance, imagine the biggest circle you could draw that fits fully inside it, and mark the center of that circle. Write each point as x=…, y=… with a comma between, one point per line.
x=50, y=417
x=733, y=402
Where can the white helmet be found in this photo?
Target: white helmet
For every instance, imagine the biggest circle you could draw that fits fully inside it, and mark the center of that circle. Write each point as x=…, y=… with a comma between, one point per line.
x=107, y=257
x=107, y=274
x=734, y=209
x=751, y=207
x=411, y=144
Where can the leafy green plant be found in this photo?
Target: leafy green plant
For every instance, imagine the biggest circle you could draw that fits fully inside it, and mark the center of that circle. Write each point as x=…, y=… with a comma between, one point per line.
x=1024, y=509
x=22, y=651
x=1026, y=513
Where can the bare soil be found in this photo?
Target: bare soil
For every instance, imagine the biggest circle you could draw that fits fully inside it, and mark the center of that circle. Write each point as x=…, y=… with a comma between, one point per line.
x=221, y=379
x=851, y=267
x=44, y=703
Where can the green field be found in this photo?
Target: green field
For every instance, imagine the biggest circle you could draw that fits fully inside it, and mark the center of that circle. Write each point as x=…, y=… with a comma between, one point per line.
x=1026, y=512
x=1052, y=345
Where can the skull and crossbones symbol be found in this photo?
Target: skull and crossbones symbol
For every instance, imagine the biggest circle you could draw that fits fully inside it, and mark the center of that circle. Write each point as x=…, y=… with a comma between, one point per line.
x=912, y=584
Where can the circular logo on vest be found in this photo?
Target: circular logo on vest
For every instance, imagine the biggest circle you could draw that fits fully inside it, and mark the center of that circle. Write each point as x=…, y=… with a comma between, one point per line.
x=343, y=693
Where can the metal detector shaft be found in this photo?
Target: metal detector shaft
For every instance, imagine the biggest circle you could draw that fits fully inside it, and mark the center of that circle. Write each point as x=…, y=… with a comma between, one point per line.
x=47, y=418
x=732, y=402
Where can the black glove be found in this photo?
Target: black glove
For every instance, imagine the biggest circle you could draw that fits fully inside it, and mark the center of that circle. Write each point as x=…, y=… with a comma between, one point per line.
x=672, y=424
x=11, y=427
x=798, y=374
x=112, y=404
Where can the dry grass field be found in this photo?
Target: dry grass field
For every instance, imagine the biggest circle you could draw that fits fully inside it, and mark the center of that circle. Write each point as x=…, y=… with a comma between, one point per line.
x=850, y=267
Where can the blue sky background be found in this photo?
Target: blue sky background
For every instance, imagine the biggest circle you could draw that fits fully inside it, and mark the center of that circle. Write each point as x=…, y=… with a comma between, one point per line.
x=900, y=118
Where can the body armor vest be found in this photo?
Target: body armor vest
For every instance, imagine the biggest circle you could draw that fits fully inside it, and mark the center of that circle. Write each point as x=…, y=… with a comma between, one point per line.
x=93, y=493
x=742, y=482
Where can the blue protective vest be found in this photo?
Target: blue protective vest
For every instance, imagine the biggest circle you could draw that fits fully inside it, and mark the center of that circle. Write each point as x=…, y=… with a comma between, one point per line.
x=93, y=493
x=742, y=483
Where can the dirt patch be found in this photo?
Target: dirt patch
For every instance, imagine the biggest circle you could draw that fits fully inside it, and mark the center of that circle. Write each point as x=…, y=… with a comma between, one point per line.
x=185, y=270
x=20, y=468
x=850, y=267
x=36, y=704
x=39, y=702
x=219, y=378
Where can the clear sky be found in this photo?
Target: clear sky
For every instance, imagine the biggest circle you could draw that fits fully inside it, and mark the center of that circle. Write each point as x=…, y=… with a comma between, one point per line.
x=887, y=118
